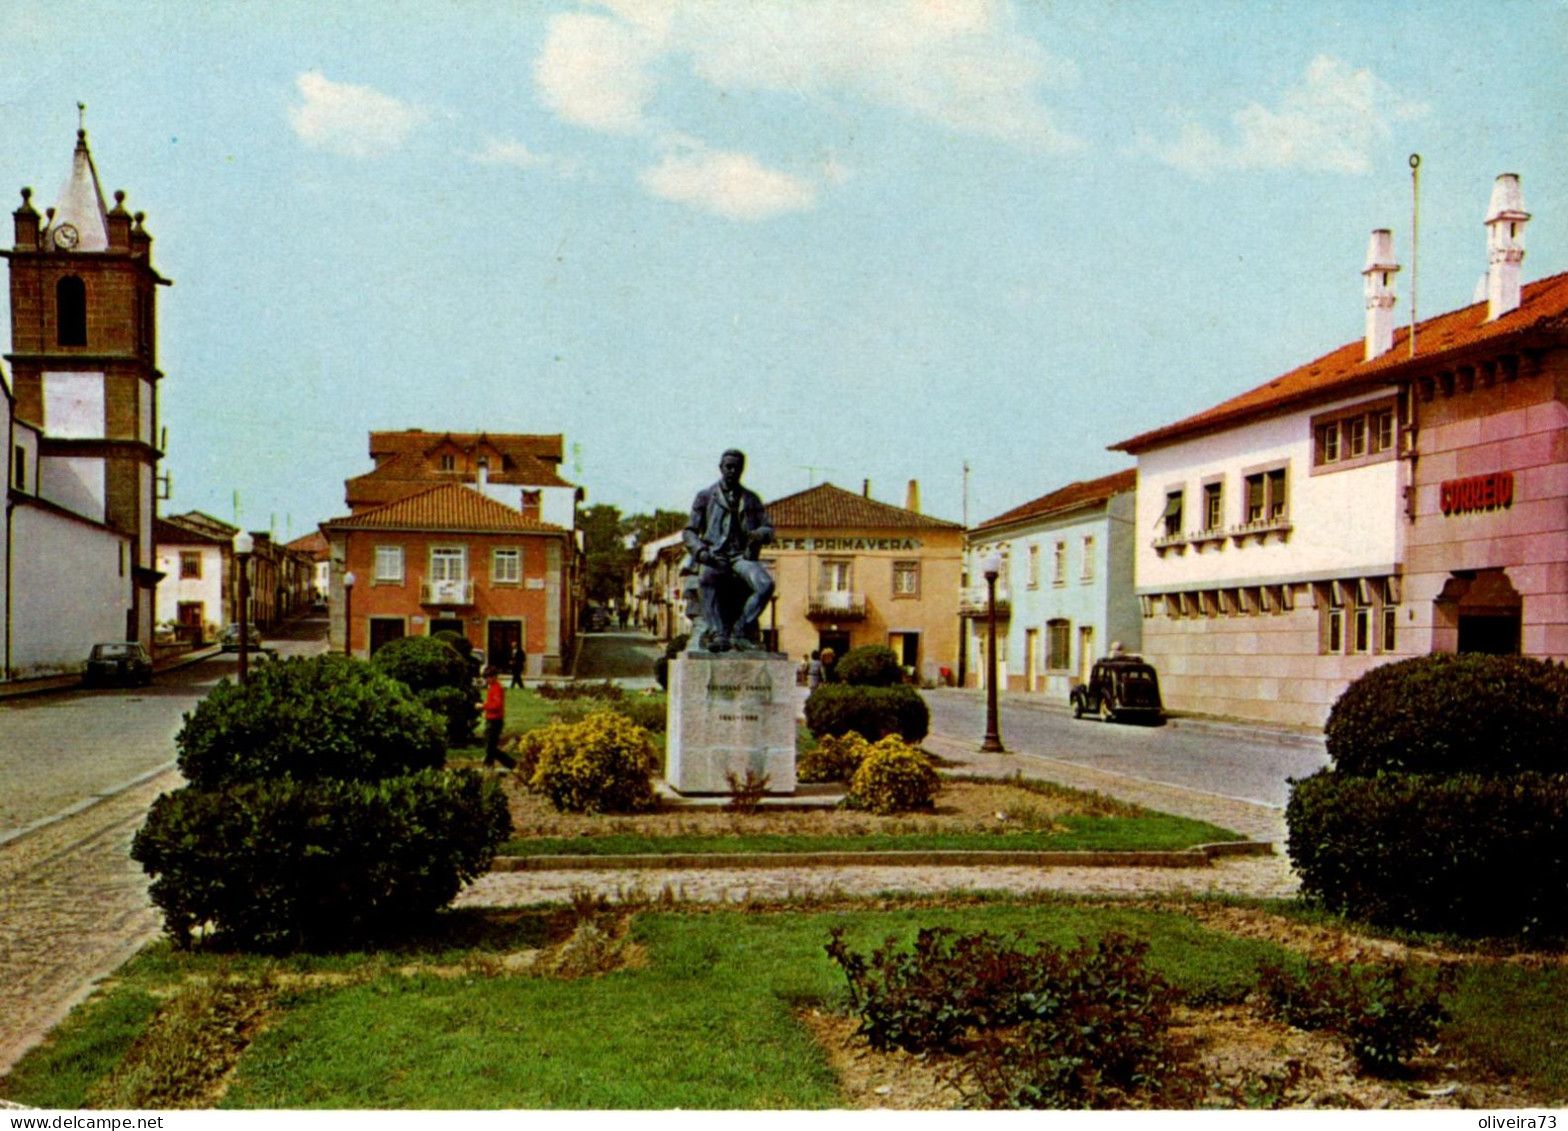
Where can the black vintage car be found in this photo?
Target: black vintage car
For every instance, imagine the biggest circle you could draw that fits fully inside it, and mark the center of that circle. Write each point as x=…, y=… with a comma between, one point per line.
x=1120, y=687
x=123, y=662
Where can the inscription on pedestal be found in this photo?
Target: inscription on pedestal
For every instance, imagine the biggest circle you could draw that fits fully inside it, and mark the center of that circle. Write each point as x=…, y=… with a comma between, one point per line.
x=729, y=715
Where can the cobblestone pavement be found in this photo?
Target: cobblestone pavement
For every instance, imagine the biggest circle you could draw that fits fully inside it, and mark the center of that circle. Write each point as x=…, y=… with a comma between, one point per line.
x=76, y=907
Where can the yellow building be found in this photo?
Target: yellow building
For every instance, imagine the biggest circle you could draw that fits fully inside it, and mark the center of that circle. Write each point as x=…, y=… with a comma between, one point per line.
x=853, y=571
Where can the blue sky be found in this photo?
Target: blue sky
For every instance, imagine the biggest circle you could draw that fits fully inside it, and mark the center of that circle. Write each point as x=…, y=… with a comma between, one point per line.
x=860, y=240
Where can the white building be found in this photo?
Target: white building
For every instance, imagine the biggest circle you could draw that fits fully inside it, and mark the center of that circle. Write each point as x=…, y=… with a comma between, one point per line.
x=1384, y=500
x=65, y=576
x=1065, y=591
x=195, y=556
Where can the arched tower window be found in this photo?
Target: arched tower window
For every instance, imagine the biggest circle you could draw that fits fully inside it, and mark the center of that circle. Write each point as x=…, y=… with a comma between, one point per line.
x=70, y=298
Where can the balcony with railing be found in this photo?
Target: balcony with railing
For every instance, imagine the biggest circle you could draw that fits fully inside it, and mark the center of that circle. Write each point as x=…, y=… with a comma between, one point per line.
x=836, y=605
x=452, y=592
x=974, y=601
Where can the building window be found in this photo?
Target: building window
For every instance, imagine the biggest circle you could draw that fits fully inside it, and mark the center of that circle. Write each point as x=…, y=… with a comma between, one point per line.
x=190, y=564
x=1390, y=628
x=1059, y=564
x=834, y=575
x=448, y=462
x=1349, y=438
x=1328, y=443
x=389, y=566
x=1356, y=436
x=906, y=579
x=1266, y=501
x=1383, y=439
x=1213, y=506
x=70, y=300
x=448, y=563
x=1058, y=645
x=19, y=466
x=1032, y=576
x=1087, y=573
x=506, y=567
x=1172, y=516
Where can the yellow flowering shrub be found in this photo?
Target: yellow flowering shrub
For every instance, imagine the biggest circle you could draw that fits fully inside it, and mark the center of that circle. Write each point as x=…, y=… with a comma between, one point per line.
x=835, y=758
x=894, y=777
x=603, y=764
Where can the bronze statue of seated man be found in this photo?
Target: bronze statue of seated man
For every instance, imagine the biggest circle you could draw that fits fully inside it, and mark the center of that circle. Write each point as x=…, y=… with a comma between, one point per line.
x=724, y=537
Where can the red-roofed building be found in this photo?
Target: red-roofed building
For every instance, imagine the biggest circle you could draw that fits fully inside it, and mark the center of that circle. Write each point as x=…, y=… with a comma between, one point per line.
x=1380, y=502
x=852, y=570
x=449, y=558
x=1064, y=594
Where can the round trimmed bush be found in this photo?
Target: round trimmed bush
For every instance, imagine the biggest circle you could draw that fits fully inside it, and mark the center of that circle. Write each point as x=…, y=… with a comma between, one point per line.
x=894, y=777
x=603, y=764
x=835, y=757
x=422, y=662
x=837, y=708
x=316, y=717
x=1481, y=855
x=1447, y=714
x=871, y=665
x=276, y=865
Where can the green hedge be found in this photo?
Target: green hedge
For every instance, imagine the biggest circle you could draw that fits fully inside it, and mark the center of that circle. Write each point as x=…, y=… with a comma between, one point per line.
x=1446, y=713
x=1471, y=854
x=875, y=712
x=437, y=669
x=870, y=665
x=282, y=864
x=322, y=717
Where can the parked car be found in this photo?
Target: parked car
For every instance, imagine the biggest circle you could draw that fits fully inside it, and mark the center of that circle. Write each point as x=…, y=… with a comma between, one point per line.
x=123, y=662
x=1122, y=688
x=229, y=641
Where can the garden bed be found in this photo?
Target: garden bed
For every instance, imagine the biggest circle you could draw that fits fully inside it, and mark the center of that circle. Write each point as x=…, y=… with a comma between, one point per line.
x=970, y=815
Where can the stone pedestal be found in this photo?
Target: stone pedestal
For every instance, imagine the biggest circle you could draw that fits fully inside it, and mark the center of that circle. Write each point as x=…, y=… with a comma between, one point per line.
x=730, y=713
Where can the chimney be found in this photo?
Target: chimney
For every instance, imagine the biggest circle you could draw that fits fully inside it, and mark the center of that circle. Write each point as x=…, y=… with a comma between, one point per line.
x=1505, y=221
x=531, y=503
x=912, y=496
x=482, y=475
x=1378, y=285
x=865, y=487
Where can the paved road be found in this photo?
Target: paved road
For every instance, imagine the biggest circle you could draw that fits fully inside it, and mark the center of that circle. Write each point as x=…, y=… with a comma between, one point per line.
x=624, y=655
x=1223, y=758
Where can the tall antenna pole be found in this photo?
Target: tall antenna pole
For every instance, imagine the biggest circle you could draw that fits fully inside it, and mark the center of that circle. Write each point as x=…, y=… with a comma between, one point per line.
x=1415, y=241
x=966, y=494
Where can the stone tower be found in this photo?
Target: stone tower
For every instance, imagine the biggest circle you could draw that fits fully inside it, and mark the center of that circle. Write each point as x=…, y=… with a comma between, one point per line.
x=84, y=362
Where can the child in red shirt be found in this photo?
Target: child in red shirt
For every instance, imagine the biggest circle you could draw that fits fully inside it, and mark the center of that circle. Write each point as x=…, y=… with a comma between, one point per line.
x=495, y=718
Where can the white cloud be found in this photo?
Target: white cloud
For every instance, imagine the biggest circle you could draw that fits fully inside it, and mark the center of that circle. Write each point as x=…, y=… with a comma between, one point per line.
x=518, y=156
x=735, y=185
x=1329, y=123
x=592, y=72
x=354, y=121
x=961, y=64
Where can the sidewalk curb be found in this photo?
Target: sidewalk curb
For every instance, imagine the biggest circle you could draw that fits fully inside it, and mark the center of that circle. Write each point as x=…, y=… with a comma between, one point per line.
x=1199, y=856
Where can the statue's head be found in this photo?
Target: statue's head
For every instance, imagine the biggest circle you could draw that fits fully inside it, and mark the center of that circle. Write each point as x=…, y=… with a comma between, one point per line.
x=731, y=465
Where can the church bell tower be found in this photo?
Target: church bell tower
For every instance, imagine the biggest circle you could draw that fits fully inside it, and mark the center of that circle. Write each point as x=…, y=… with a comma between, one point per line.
x=84, y=362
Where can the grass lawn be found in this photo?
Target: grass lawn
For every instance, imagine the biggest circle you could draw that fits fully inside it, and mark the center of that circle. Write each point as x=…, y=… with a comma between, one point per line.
x=706, y=1016
x=438, y=1026
x=1156, y=832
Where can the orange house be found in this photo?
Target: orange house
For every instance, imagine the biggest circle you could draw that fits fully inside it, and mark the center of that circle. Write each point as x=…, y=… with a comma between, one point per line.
x=448, y=558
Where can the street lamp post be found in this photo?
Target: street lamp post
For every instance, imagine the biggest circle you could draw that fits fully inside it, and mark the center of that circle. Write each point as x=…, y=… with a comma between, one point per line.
x=992, y=742
x=243, y=545
x=348, y=614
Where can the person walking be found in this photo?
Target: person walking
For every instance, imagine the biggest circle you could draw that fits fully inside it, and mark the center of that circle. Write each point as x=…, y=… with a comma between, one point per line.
x=495, y=719
x=514, y=663
x=814, y=670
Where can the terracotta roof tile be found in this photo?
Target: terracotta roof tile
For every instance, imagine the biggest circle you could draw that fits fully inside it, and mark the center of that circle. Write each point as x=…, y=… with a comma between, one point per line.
x=1543, y=308
x=827, y=506
x=448, y=507
x=1071, y=497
